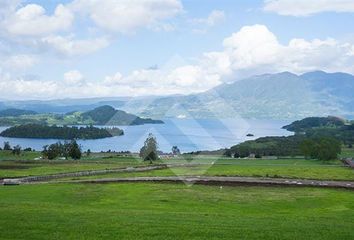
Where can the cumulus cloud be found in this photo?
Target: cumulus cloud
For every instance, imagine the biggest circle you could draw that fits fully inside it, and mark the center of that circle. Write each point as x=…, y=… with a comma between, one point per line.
x=203, y=24
x=70, y=47
x=74, y=78
x=19, y=62
x=257, y=50
x=125, y=16
x=215, y=17
x=307, y=7
x=31, y=20
x=252, y=50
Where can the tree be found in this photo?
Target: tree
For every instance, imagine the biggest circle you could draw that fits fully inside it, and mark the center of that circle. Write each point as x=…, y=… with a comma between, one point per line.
x=149, y=151
x=328, y=149
x=16, y=150
x=88, y=152
x=52, y=151
x=324, y=148
x=75, y=150
x=7, y=146
x=309, y=147
x=175, y=150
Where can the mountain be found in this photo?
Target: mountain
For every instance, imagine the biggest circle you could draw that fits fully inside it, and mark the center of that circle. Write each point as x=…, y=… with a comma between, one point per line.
x=13, y=112
x=107, y=115
x=269, y=96
x=273, y=96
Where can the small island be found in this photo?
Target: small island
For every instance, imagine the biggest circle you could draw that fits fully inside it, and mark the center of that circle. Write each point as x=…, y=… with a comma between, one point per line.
x=56, y=132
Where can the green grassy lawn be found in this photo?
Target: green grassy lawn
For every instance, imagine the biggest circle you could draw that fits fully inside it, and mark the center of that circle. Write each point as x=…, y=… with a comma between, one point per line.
x=24, y=165
x=174, y=211
x=282, y=168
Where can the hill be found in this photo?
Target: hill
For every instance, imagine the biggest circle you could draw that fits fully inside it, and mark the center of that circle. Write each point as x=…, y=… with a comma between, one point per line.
x=314, y=122
x=107, y=115
x=104, y=115
x=14, y=112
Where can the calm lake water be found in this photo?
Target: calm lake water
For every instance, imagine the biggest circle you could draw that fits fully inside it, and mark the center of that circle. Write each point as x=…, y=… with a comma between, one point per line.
x=187, y=134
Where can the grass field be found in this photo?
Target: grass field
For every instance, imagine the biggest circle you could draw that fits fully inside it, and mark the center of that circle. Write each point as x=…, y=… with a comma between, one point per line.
x=210, y=166
x=281, y=168
x=24, y=165
x=174, y=211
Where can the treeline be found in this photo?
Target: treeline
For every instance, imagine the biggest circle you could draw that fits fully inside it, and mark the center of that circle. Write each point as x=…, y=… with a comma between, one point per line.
x=315, y=122
x=67, y=149
x=315, y=137
x=56, y=132
x=268, y=146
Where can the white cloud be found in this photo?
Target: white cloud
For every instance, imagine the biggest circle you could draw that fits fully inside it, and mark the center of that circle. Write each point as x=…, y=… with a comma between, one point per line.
x=70, y=47
x=126, y=16
x=252, y=50
x=19, y=62
x=74, y=77
x=31, y=20
x=307, y=7
x=255, y=49
x=113, y=80
x=203, y=24
x=215, y=17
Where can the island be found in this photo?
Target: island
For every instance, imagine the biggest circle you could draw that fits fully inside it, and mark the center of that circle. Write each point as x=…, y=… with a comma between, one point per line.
x=60, y=132
x=103, y=115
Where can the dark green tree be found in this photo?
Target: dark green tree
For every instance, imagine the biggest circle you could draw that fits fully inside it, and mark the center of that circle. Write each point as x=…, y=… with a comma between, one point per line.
x=7, y=146
x=309, y=148
x=16, y=150
x=149, y=151
x=52, y=151
x=75, y=150
x=328, y=149
x=175, y=150
x=88, y=152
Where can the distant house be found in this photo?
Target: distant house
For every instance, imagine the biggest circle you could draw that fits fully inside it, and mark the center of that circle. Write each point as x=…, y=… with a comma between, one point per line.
x=252, y=155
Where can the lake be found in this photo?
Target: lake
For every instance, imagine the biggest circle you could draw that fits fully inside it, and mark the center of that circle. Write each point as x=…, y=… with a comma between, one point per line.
x=187, y=134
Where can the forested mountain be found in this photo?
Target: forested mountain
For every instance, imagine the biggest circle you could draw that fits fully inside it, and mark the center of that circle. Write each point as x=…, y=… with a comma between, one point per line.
x=272, y=96
x=107, y=115
x=13, y=112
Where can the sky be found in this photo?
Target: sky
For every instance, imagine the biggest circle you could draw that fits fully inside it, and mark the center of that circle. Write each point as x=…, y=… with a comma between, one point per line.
x=52, y=49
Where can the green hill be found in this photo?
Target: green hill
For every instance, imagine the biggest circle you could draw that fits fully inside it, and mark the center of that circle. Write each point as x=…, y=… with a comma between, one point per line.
x=14, y=112
x=107, y=115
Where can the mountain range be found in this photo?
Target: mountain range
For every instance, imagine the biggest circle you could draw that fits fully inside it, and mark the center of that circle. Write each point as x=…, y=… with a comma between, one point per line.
x=269, y=96
x=273, y=96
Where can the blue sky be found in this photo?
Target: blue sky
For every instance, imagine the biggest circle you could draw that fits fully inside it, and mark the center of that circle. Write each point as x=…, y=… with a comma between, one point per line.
x=77, y=48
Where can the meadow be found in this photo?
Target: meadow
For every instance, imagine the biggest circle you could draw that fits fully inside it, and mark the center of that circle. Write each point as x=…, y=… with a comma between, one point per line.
x=173, y=211
x=296, y=168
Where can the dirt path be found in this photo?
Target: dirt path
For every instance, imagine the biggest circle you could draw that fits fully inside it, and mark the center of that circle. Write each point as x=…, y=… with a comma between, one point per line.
x=247, y=181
